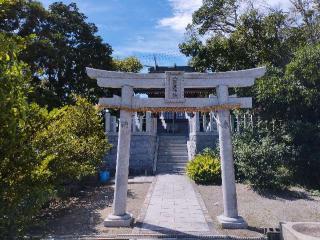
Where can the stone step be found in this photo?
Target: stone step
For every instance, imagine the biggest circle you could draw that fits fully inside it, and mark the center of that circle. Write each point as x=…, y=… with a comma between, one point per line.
x=173, y=137
x=173, y=141
x=172, y=152
x=179, y=165
x=173, y=149
x=170, y=147
x=172, y=157
x=165, y=168
x=172, y=171
x=172, y=163
x=181, y=149
x=178, y=161
x=173, y=145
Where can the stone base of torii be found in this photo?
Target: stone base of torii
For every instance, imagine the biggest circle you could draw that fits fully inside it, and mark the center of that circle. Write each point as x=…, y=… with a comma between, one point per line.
x=174, y=84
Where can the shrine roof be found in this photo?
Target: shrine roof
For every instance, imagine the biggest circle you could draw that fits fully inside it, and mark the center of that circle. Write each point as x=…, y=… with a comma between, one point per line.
x=163, y=69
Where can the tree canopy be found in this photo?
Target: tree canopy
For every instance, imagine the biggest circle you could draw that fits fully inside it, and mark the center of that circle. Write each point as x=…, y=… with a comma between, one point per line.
x=129, y=64
x=58, y=52
x=257, y=37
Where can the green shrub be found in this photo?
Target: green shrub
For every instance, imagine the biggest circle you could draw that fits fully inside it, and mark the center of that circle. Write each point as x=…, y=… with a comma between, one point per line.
x=73, y=143
x=306, y=164
x=205, y=168
x=261, y=159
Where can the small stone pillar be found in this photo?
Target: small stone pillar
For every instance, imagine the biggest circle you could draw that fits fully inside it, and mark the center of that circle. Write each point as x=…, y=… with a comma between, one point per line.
x=204, y=122
x=134, y=129
x=245, y=121
x=113, y=124
x=231, y=123
x=119, y=216
x=140, y=123
x=155, y=125
x=213, y=124
x=196, y=123
x=230, y=217
x=190, y=121
x=238, y=123
x=149, y=122
x=213, y=127
x=107, y=121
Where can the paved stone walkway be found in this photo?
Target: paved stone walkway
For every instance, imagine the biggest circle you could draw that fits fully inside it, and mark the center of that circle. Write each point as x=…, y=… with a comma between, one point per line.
x=174, y=207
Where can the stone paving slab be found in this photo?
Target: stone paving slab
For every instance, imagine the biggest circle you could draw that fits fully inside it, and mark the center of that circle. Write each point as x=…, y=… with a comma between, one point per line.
x=174, y=206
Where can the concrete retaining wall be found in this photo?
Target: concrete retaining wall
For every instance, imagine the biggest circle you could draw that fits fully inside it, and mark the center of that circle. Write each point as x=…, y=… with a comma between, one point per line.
x=199, y=141
x=142, y=152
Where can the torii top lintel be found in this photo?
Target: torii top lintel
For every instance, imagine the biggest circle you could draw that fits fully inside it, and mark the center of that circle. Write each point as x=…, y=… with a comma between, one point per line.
x=174, y=83
x=112, y=79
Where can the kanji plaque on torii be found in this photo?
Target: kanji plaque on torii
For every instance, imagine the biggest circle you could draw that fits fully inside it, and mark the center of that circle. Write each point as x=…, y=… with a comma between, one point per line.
x=174, y=84
x=174, y=90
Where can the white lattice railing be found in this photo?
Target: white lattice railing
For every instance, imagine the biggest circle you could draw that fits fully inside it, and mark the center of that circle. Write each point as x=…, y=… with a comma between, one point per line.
x=140, y=123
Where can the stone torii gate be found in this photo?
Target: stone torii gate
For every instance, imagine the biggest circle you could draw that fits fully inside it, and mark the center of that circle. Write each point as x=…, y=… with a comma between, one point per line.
x=174, y=84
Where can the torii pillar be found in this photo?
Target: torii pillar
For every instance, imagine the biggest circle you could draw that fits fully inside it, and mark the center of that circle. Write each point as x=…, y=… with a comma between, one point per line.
x=119, y=216
x=230, y=217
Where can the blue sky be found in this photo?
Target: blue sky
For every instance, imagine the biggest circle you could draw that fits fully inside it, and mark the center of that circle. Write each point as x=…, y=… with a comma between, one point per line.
x=143, y=27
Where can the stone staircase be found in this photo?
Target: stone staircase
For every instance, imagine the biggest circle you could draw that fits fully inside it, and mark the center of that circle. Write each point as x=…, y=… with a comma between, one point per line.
x=172, y=154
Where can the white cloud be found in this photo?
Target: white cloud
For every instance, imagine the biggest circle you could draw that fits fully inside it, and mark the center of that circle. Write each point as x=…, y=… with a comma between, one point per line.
x=182, y=14
x=283, y=4
x=160, y=41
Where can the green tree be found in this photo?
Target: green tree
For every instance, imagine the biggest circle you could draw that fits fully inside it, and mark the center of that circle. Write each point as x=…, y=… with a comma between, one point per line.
x=308, y=12
x=23, y=178
x=129, y=64
x=219, y=16
x=257, y=39
x=302, y=79
x=41, y=152
x=59, y=52
x=292, y=94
